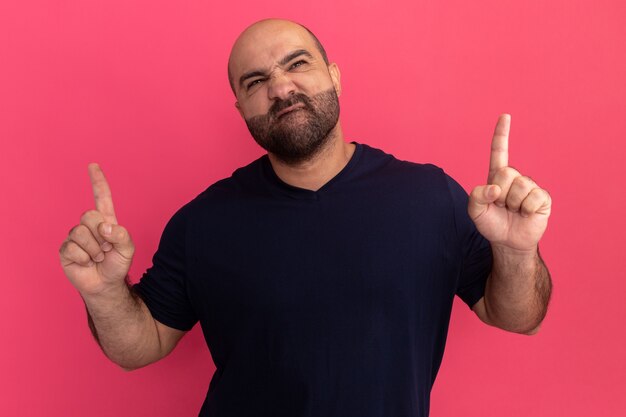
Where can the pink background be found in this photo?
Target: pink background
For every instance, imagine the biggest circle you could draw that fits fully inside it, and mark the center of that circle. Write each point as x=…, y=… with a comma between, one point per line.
x=141, y=87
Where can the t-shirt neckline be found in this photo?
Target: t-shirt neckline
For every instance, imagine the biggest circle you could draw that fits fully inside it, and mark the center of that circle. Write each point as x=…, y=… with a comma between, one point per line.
x=303, y=193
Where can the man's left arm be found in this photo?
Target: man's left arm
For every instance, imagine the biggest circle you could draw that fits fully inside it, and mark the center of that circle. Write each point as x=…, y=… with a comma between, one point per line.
x=511, y=211
x=517, y=293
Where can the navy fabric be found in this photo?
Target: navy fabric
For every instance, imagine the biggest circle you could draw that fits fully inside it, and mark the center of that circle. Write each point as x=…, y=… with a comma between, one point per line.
x=330, y=303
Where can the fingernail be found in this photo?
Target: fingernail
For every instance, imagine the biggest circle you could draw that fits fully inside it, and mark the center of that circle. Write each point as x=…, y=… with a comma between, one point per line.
x=499, y=204
x=99, y=257
x=106, y=246
x=107, y=229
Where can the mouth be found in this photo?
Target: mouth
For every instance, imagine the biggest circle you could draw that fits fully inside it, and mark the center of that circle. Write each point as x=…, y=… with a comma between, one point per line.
x=289, y=109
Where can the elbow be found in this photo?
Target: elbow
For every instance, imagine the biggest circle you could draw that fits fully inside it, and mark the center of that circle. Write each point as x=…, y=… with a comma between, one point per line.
x=514, y=323
x=527, y=330
x=522, y=321
x=533, y=331
x=128, y=367
x=526, y=327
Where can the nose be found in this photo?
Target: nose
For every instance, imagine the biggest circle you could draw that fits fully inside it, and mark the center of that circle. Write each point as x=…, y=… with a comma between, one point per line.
x=280, y=87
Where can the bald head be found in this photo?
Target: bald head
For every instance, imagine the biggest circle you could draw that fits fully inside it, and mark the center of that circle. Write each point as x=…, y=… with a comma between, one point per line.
x=256, y=35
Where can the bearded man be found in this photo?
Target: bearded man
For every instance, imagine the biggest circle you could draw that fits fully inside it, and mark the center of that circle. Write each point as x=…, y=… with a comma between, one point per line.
x=323, y=273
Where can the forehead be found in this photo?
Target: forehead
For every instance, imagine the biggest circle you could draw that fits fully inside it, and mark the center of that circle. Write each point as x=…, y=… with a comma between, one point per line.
x=262, y=45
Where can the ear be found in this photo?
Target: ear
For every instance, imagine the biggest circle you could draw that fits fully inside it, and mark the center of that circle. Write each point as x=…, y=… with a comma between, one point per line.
x=335, y=76
x=239, y=109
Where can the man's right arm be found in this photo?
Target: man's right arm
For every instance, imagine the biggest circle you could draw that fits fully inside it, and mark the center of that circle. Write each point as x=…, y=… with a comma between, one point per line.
x=96, y=258
x=125, y=330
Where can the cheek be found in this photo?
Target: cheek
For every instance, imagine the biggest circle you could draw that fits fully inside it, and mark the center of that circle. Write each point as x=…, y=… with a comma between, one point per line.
x=310, y=85
x=254, y=106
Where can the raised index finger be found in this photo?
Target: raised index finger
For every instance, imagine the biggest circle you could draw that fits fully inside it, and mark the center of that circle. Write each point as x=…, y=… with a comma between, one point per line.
x=499, y=146
x=102, y=193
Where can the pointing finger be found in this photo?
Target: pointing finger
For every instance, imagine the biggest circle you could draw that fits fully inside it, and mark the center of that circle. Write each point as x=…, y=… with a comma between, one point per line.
x=499, y=146
x=102, y=193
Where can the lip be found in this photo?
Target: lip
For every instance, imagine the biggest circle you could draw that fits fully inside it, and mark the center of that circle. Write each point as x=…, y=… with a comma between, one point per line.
x=290, y=109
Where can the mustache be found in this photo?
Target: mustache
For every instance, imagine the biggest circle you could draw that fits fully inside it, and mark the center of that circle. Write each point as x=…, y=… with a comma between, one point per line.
x=278, y=106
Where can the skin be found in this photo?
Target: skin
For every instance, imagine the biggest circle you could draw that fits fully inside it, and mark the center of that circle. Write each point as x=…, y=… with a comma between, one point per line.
x=510, y=210
x=262, y=47
x=96, y=258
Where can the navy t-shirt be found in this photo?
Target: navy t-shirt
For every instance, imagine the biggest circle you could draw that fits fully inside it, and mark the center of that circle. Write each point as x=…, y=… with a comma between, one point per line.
x=330, y=303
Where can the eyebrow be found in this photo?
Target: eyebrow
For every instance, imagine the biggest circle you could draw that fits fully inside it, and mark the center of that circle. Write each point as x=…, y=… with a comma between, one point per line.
x=284, y=61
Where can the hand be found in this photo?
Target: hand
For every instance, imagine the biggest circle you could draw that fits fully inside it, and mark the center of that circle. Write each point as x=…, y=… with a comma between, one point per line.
x=511, y=211
x=98, y=252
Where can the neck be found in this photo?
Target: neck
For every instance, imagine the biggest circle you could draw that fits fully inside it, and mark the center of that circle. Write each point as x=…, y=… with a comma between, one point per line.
x=313, y=173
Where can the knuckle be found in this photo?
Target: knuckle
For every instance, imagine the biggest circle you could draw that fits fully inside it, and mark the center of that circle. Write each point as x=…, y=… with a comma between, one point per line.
x=82, y=236
x=513, y=197
x=525, y=184
x=70, y=248
x=520, y=181
x=90, y=216
x=78, y=232
x=476, y=191
x=548, y=196
x=506, y=175
x=513, y=205
x=73, y=251
x=72, y=230
x=501, y=172
x=538, y=193
x=63, y=247
x=510, y=172
x=120, y=233
x=528, y=181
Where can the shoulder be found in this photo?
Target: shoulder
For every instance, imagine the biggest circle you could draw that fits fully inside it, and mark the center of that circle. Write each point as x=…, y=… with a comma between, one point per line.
x=243, y=183
x=389, y=168
x=422, y=184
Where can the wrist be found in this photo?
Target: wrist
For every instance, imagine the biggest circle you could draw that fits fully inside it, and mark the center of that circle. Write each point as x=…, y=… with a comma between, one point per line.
x=509, y=261
x=107, y=293
x=500, y=250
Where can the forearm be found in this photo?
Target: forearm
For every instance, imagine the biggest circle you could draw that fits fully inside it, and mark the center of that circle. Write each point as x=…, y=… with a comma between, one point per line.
x=123, y=327
x=518, y=290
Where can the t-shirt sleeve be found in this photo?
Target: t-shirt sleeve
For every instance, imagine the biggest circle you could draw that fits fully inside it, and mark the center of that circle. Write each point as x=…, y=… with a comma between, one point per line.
x=163, y=287
x=475, y=249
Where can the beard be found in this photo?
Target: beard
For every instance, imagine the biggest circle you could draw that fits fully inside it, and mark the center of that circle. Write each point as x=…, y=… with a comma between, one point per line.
x=299, y=134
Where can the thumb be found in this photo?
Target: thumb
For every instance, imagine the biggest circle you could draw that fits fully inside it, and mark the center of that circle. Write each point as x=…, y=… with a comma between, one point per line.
x=118, y=237
x=480, y=198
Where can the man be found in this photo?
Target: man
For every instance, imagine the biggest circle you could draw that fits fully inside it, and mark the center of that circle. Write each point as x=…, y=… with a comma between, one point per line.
x=323, y=273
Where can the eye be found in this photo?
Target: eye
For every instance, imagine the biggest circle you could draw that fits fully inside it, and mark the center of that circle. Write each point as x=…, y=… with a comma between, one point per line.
x=253, y=83
x=297, y=64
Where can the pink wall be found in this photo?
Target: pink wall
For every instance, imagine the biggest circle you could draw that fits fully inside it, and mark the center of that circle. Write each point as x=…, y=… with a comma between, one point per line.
x=140, y=86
